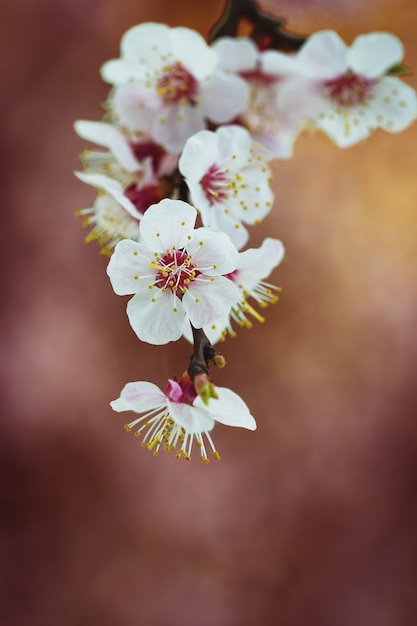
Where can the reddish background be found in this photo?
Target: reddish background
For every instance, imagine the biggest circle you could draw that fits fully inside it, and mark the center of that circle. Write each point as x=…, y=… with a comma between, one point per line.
x=310, y=520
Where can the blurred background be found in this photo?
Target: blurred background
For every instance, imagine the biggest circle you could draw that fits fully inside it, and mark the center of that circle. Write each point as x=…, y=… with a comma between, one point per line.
x=309, y=520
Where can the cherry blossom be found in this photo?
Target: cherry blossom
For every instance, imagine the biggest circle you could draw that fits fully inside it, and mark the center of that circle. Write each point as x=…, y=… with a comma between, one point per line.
x=349, y=90
x=167, y=82
x=129, y=177
x=254, y=265
x=270, y=122
x=229, y=180
x=175, y=271
x=177, y=418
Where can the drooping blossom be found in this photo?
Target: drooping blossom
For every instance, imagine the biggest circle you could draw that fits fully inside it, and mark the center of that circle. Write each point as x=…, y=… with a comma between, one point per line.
x=177, y=418
x=254, y=265
x=175, y=272
x=270, y=122
x=130, y=176
x=349, y=90
x=228, y=179
x=167, y=83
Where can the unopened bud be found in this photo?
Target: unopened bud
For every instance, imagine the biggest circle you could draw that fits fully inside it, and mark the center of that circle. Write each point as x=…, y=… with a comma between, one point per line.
x=205, y=388
x=219, y=360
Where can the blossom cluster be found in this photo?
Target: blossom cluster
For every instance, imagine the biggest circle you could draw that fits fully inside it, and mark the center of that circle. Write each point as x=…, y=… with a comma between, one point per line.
x=183, y=173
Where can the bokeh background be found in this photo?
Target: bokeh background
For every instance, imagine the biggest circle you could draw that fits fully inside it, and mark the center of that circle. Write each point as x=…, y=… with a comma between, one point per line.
x=309, y=520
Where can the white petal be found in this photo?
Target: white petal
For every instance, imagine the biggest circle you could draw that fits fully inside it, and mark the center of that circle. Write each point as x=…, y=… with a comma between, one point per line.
x=175, y=124
x=394, y=105
x=207, y=300
x=113, y=187
x=193, y=419
x=136, y=105
x=167, y=224
x=278, y=64
x=129, y=268
x=346, y=127
x=140, y=397
x=373, y=54
x=192, y=51
x=323, y=56
x=199, y=154
x=216, y=218
x=216, y=106
x=234, y=142
x=236, y=54
x=153, y=318
x=256, y=264
x=146, y=46
x=213, y=331
x=229, y=409
x=108, y=136
x=213, y=252
x=115, y=72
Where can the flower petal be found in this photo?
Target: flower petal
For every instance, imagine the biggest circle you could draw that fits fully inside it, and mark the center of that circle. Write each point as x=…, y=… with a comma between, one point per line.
x=256, y=264
x=213, y=252
x=145, y=46
x=229, y=409
x=108, y=136
x=200, y=152
x=111, y=186
x=323, y=56
x=218, y=108
x=153, y=317
x=236, y=54
x=139, y=396
x=129, y=268
x=373, y=54
x=177, y=123
x=190, y=48
x=193, y=419
x=168, y=224
x=219, y=220
x=136, y=105
x=207, y=300
x=394, y=105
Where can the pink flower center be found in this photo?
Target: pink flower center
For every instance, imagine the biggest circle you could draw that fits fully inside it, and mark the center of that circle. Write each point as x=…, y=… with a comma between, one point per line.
x=177, y=85
x=176, y=272
x=233, y=276
x=181, y=391
x=146, y=149
x=143, y=198
x=348, y=90
x=215, y=185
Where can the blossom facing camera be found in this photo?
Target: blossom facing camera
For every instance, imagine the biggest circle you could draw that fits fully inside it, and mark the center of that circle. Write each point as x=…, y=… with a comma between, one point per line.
x=167, y=82
x=349, y=90
x=175, y=272
x=177, y=418
x=228, y=179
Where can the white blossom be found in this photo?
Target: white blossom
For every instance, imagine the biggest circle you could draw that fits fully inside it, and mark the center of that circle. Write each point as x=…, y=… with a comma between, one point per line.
x=228, y=179
x=270, y=122
x=175, y=272
x=129, y=177
x=177, y=418
x=349, y=90
x=167, y=82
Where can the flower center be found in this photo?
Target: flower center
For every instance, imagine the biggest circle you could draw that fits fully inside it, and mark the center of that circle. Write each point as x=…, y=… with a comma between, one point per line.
x=176, y=272
x=145, y=149
x=177, y=85
x=348, y=90
x=143, y=198
x=181, y=390
x=215, y=184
